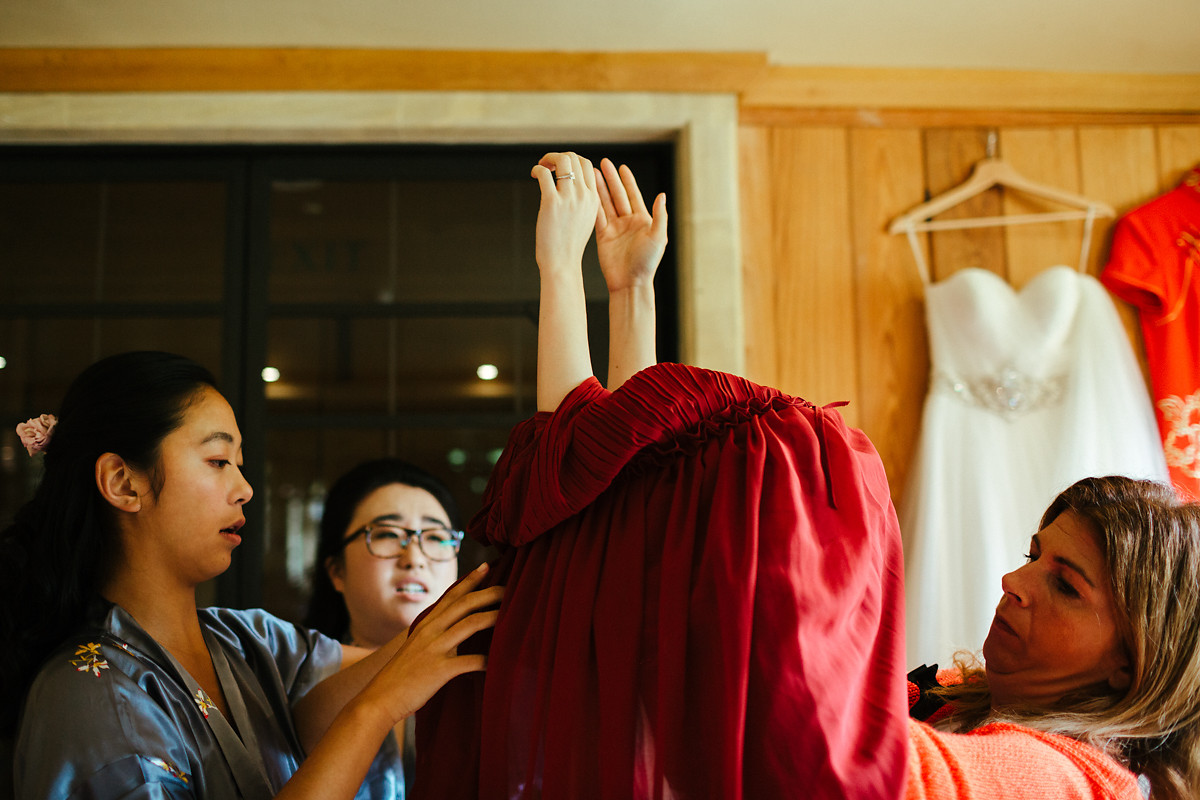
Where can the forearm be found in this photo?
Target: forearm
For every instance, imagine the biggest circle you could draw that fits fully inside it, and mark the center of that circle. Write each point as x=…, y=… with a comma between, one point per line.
x=630, y=242
x=563, y=358
x=343, y=721
x=336, y=766
x=631, y=333
x=316, y=711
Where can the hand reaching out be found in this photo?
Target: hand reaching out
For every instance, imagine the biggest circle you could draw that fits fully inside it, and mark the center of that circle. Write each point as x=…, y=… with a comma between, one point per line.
x=629, y=239
x=567, y=212
x=429, y=657
x=345, y=717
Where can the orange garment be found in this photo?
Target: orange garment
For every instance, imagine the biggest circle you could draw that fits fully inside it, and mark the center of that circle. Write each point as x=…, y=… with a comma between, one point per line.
x=1002, y=761
x=1154, y=261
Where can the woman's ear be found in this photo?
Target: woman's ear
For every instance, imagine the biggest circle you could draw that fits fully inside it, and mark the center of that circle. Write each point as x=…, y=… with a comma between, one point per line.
x=118, y=483
x=333, y=568
x=1121, y=678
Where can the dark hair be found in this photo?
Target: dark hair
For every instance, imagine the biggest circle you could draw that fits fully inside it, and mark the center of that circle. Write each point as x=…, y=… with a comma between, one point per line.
x=53, y=555
x=326, y=607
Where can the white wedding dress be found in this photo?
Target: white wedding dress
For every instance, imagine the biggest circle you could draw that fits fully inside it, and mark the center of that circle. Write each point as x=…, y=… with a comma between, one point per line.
x=1029, y=391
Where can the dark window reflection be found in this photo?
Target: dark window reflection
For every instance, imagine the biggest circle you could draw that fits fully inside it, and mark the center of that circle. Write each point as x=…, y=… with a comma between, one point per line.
x=387, y=366
x=354, y=302
x=112, y=242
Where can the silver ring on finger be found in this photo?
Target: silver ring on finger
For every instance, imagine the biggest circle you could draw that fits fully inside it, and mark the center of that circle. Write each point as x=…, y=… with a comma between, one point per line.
x=570, y=176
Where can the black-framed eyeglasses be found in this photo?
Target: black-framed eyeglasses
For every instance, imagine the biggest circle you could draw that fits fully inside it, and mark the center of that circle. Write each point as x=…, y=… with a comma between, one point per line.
x=389, y=541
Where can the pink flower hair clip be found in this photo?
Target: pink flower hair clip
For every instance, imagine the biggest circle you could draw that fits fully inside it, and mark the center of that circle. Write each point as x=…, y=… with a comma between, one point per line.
x=35, y=433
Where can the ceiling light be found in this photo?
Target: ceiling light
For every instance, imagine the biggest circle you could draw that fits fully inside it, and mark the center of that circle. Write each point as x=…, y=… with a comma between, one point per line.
x=487, y=372
x=3, y=362
x=270, y=374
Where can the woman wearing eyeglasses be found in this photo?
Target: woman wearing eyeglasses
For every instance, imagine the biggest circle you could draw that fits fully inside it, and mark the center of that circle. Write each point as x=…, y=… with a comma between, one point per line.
x=116, y=684
x=388, y=550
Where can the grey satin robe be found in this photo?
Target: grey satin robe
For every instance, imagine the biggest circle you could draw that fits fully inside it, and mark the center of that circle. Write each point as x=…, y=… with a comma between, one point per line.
x=111, y=716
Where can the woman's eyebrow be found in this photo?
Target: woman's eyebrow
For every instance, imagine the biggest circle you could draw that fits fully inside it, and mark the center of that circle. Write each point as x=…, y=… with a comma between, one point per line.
x=1074, y=566
x=397, y=518
x=1066, y=562
x=217, y=436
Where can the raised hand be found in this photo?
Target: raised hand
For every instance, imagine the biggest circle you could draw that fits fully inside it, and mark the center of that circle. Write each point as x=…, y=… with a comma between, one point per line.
x=629, y=239
x=630, y=242
x=567, y=212
x=565, y=220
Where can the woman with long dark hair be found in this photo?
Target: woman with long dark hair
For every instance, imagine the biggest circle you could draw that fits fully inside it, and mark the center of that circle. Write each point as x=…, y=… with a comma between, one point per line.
x=409, y=521
x=118, y=679
x=387, y=550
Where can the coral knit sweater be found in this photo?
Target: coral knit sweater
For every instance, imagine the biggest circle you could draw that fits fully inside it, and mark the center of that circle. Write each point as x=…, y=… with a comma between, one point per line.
x=1002, y=761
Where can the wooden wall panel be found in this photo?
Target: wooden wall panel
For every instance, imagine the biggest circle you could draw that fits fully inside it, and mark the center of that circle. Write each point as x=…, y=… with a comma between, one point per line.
x=815, y=277
x=1119, y=165
x=815, y=210
x=871, y=89
x=759, y=275
x=1179, y=151
x=886, y=175
x=950, y=154
x=1047, y=156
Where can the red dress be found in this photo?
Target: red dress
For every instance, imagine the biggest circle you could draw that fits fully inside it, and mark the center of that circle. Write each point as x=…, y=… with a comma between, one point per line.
x=704, y=599
x=1155, y=258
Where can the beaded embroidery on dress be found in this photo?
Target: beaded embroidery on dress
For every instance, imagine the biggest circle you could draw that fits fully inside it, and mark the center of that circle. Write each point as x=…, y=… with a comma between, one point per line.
x=1029, y=392
x=1009, y=393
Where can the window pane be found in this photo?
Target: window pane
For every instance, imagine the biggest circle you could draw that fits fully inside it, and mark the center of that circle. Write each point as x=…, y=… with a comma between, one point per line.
x=116, y=242
x=389, y=276
x=407, y=241
x=419, y=365
x=43, y=355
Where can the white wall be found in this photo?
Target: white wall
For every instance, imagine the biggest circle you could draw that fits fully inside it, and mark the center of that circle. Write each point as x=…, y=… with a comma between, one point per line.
x=1130, y=36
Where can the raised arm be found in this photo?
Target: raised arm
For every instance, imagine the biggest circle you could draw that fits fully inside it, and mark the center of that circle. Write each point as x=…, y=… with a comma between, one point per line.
x=630, y=242
x=565, y=220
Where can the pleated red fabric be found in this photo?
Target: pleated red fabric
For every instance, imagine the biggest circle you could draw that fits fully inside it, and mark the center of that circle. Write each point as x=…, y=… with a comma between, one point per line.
x=704, y=599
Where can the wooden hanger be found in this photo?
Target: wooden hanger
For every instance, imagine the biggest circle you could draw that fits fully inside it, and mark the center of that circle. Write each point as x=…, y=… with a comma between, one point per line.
x=988, y=173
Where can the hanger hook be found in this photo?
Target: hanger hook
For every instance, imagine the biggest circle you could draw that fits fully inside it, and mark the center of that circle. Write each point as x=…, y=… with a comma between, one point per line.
x=991, y=143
